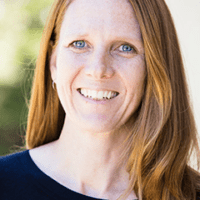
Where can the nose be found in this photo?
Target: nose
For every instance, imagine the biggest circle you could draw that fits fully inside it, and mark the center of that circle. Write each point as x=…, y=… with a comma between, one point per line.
x=99, y=66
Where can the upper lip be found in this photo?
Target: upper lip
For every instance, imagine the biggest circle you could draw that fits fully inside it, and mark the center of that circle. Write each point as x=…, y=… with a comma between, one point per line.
x=98, y=89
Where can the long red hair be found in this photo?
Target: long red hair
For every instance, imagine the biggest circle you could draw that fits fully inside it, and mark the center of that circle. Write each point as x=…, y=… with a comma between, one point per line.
x=165, y=130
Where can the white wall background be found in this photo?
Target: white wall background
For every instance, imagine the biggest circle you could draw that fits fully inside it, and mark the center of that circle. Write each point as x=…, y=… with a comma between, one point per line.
x=186, y=15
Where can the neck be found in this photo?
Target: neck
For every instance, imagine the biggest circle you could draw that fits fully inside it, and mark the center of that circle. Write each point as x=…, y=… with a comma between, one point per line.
x=92, y=158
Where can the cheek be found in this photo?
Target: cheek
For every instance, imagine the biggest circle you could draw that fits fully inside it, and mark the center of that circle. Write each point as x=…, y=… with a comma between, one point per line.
x=68, y=66
x=68, y=61
x=134, y=73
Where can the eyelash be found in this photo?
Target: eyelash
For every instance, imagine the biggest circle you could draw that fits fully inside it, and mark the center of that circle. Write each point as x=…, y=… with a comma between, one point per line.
x=131, y=47
x=72, y=44
x=127, y=52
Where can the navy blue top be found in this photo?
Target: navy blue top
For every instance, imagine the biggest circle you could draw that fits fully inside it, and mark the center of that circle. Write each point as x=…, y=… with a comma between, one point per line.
x=20, y=178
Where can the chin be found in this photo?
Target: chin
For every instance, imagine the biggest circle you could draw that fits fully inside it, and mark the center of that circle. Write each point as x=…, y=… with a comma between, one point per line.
x=97, y=127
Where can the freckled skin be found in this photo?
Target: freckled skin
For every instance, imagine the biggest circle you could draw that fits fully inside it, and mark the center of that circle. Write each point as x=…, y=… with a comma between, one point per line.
x=87, y=137
x=106, y=28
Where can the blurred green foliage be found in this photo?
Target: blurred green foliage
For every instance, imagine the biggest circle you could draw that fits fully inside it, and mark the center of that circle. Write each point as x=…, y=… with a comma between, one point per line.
x=21, y=27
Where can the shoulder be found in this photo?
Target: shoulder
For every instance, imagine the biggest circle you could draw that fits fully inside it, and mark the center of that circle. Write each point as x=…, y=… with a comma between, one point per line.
x=12, y=168
x=20, y=178
x=13, y=174
x=12, y=162
x=198, y=196
x=11, y=157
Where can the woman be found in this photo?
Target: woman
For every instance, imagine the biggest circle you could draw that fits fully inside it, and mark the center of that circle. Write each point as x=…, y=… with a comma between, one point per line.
x=118, y=124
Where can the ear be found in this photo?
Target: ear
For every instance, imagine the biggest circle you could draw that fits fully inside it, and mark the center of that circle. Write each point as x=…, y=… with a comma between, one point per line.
x=53, y=67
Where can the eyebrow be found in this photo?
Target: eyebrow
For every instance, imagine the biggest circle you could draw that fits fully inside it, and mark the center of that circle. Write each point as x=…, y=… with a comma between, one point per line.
x=115, y=38
x=79, y=34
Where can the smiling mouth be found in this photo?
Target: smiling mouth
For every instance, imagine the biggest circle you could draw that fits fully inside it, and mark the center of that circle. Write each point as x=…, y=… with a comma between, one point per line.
x=97, y=95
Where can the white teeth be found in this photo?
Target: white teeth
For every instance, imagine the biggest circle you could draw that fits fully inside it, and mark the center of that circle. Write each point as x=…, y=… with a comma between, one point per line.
x=94, y=93
x=89, y=92
x=105, y=94
x=84, y=92
x=98, y=95
x=109, y=95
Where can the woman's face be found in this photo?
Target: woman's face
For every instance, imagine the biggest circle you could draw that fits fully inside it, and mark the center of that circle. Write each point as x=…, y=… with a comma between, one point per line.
x=100, y=49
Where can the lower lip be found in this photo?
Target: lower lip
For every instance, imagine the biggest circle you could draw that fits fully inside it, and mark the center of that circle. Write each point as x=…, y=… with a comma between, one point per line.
x=97, y=101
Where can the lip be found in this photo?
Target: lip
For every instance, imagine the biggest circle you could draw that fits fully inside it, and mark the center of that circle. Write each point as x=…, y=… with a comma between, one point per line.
x=99, y=101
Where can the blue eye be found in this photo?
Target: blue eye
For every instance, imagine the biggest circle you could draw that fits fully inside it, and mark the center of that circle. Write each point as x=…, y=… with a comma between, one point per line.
x=79, y=44
x=126, y=48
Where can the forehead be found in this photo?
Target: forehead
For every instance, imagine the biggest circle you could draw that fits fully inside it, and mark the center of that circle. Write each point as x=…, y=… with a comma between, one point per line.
x=105, y=17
